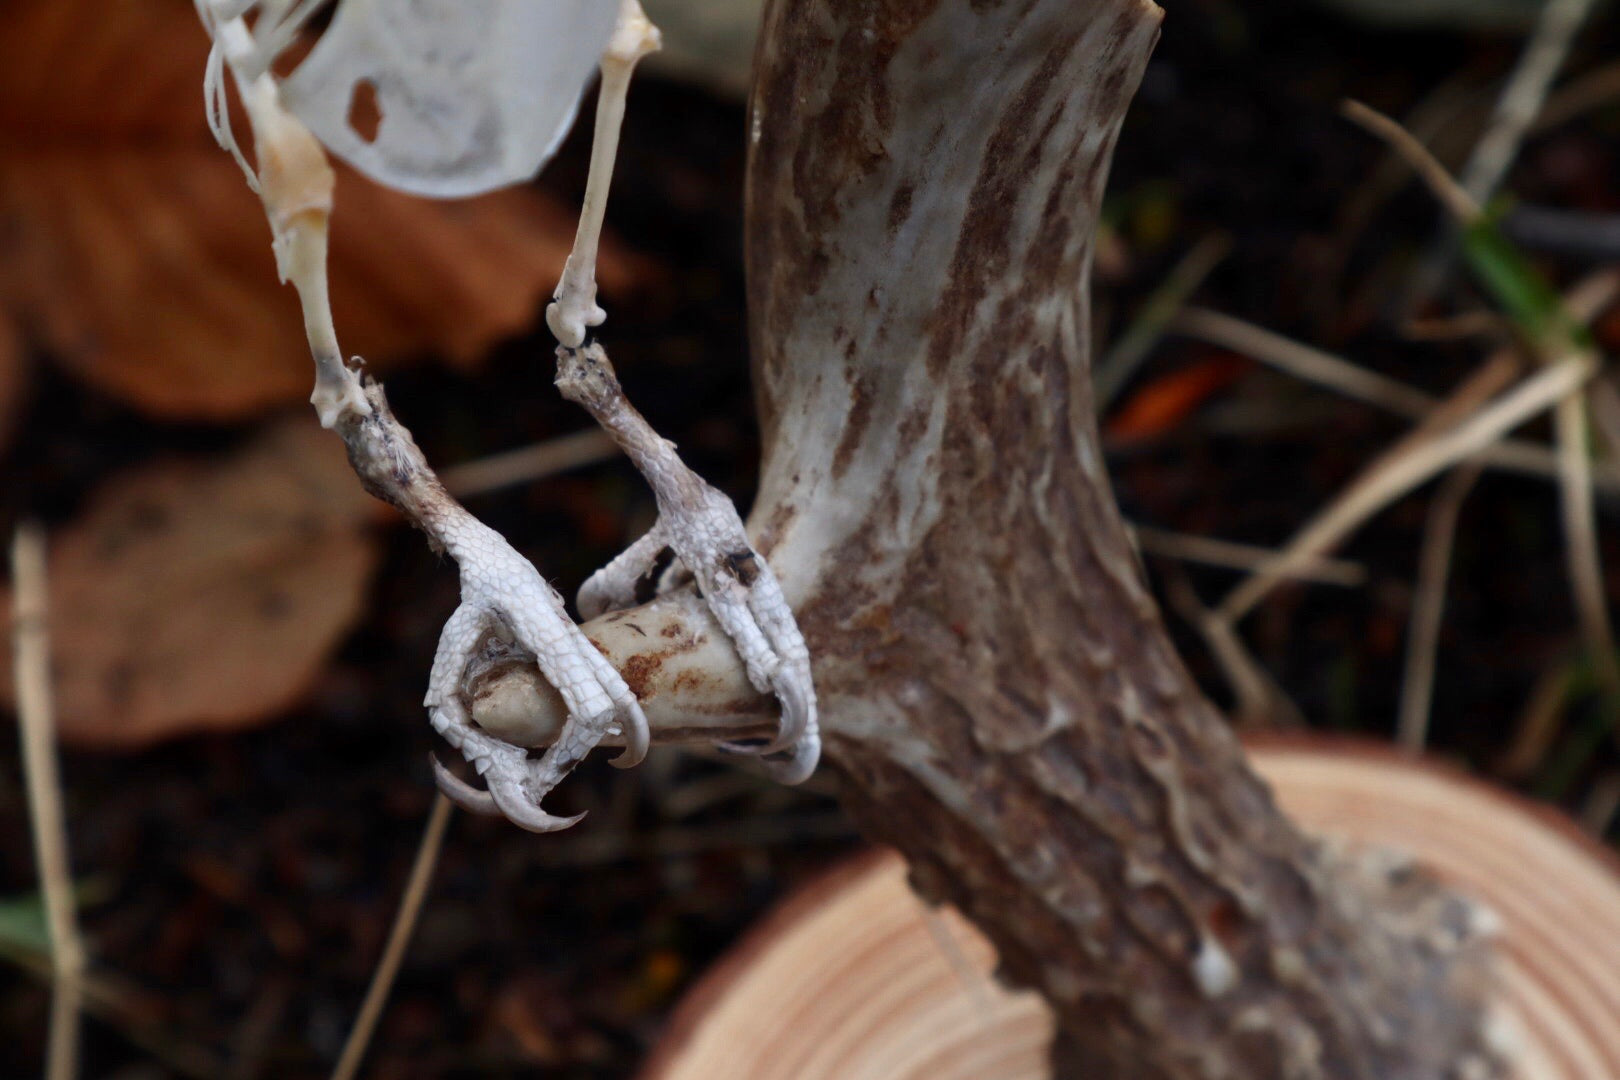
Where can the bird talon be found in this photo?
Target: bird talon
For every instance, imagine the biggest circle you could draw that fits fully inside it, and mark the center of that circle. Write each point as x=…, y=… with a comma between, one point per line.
x=792, y=690
x=795, y=766
x=637, y=736
x=523, y=811
x=461, y=793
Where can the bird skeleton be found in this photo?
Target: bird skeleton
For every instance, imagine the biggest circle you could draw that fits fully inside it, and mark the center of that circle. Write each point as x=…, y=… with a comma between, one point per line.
x=475, y=95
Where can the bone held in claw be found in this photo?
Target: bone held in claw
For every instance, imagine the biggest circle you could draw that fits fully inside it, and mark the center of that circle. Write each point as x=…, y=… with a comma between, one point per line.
x=675, y=658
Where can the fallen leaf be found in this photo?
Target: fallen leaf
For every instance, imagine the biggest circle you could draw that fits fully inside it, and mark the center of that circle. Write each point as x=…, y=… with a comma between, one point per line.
x=132, y=250
x=1162, y=405
x=195, y=596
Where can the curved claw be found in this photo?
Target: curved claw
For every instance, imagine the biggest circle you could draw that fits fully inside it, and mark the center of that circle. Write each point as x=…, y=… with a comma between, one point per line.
x=516, y=786
x=797, y=765
x=798, y=717
x=518, y=808
x=798, y=708
x=637, y=735
x=632, y=721
x=792, y=767
x=462, y=793
x=526, y=815
x=507, y=797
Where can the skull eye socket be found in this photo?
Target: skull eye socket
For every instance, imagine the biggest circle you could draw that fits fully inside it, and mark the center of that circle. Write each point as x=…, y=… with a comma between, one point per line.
x=365, y=111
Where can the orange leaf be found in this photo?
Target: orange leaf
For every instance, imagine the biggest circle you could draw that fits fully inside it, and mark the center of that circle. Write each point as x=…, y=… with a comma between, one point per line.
x=191, y=597
x=136, y=255
x=1167, y=401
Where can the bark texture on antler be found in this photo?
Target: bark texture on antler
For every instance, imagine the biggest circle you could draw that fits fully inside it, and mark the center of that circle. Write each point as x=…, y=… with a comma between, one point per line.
x=997, y=686
x=997, y=690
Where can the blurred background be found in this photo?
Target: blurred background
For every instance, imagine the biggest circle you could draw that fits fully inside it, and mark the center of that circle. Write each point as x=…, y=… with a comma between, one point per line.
x=242, y=638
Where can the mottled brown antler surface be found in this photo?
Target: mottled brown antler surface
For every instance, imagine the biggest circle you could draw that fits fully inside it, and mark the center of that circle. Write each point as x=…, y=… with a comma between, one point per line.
x=996, y=688
x=996, y=684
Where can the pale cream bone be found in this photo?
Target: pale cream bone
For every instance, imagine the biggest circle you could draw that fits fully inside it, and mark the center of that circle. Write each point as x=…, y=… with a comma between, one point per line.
x=573, y=309
x=473, y=95
x=697, y=524
x=502, y=595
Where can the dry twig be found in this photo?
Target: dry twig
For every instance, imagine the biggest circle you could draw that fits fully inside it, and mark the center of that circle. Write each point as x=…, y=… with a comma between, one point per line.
x=1539, y=724
x=1260, y=701
x=1453, y=196
x=1516, y=110
x=1428, y=605
x=1481, y=323
x=1302, y=361
x=529, y=463
x=1553, y=344
x=1580, y=532
x=30, y=601
x=399, y=936
x=1313, y=365
x=1395, y=474
x=1523, y=96
x=1236, y=556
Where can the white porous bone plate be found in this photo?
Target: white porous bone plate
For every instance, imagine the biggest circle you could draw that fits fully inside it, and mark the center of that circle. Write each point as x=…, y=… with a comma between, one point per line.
x=473, y=94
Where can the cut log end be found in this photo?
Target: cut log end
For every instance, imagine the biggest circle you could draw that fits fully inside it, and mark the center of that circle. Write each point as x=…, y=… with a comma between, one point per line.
x=853, y=979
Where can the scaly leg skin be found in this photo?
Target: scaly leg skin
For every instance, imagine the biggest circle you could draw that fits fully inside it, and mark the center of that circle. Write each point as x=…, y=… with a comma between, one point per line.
x=701, y=527
x=696, y=522
x=499, y=588
x=617, y=585
x=504, y=767
x=505, y=590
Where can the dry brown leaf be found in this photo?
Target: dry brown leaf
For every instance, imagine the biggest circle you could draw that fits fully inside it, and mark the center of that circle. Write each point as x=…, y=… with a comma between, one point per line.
x=131, y=248
x=206, y=596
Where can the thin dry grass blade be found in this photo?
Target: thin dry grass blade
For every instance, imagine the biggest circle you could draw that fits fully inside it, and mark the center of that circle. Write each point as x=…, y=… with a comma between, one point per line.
x=1261, y=702
x=1302, y=361
x=36, y=720
x=1580, y=536
x=1235, y=556
x=1428, y=605
x=1401, y=470
x=399, y=936
x=1523, y=96
x=1540, y=721
x=1457, y=201
x=1593, y=90
x=529, y=463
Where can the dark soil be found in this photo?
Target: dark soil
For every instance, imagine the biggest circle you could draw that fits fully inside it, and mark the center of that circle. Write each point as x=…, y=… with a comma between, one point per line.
x=243, y=884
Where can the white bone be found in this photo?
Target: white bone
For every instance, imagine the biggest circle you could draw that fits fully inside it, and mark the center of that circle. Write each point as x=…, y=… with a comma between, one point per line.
x=473, y=94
